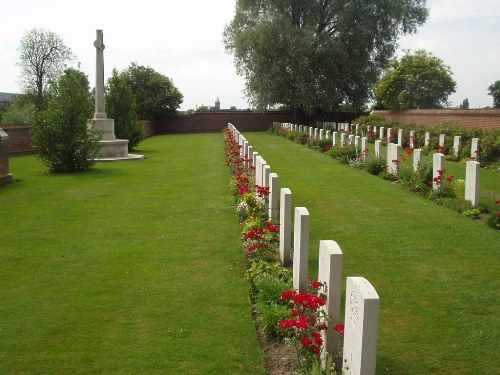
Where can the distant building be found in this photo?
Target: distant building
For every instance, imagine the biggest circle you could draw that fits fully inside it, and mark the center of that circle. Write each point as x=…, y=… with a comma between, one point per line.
x=217, y=104
x=6, y=97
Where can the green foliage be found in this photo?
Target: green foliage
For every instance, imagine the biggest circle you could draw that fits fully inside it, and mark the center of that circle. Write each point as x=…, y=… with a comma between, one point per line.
x=19, y=112
x=316, y=54
x=472, y=213
x=155, y=94
x=418, y=80
x=374, y=166
x=343, y=153
x=121, y=106
x=43, y=56
x=60, y=132
x=270, y=314
x=494, y=91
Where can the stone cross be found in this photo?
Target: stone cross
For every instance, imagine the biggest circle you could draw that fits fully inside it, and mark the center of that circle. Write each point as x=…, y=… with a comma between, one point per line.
x=100, y=113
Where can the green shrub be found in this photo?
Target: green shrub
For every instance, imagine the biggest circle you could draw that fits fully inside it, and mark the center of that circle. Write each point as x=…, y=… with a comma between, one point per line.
x=343, y=154
x=19, y=113
x=375, y=166
x=270, y=315
x=60, y=132
x=472, y=213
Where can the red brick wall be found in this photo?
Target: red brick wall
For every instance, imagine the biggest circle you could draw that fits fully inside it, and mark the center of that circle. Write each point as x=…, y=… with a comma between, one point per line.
x=5, y=176
x=19, y=139
x=216, y=121
x=469, y=118
x=149, y=129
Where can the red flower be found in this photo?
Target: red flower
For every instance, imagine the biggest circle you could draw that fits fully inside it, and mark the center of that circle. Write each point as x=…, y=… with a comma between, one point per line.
x=306, y=341
x=404, y=159
x=316, y=349
x=409, y=152
x=288, y=294
x=450, y=178
x=316, y=284
x=339, y=328
x=497, y=201
x=287, y=324
x=302, y=323
x=317, y=338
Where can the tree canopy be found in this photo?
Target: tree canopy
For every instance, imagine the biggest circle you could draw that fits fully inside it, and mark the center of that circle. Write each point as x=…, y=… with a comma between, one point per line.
x=312, y=54
x=122, y=108
x=494, y=91
x=60, y=132
x=43, y=57
x=419, y=80
x=154, y=93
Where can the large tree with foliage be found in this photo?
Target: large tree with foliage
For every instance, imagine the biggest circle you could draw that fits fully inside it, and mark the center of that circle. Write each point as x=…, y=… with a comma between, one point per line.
x=417, y=80
x=494, y=91
x=154, y=93
x=60, y=132
x=316, y=54
x=43, y=57
x=121, y=106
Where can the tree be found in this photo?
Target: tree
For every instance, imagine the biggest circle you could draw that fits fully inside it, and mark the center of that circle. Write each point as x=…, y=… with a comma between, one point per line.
x=317, y=53
x=60, y=132
x=20, y=111
x=494, y=90
x=43, y=56
x=155, y=94
x=418, y=80
x=121, y=106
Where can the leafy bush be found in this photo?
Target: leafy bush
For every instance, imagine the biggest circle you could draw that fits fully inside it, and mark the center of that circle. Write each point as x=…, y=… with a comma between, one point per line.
x=270, y=315
x=121, y=106
x=60, y=132
x=19, y=113
x=343, y=153
x=375, y=166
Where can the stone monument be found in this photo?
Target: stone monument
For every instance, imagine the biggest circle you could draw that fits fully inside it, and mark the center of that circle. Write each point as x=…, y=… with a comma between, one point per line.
x=112, y=149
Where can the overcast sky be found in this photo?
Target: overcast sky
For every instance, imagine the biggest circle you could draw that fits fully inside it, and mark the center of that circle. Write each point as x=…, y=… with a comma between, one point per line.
x=183, y=41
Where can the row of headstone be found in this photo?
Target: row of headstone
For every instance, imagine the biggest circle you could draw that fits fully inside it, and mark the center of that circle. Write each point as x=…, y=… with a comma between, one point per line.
x=362, y=301
x=262, y=172
x=316, y=133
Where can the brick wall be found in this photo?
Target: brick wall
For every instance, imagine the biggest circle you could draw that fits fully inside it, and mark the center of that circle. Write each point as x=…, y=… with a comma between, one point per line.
x=19, y=139
x=5, y=176
x=200, y=122
x=469, y=118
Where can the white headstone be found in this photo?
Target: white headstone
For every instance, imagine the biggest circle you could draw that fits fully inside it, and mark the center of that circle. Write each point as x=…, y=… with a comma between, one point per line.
x=378, y=148
x=301, y=249
x=356, y=141
x=266, y=171
x=342, y=139
x=437, y=165
x=382, y=132
x=389, y=135
x=286, y=227
x=321, y=134
x=442, y=139
x=417, y=156
x=474, y=148
x=360, y=327
x=334, y=139
x=400, y=137
x=412, y=139
x=427, y=138
x=259, y=165
x=364, y=148
x=330, y=273
x=472, y=182
x=250, y=156
x=456, y=145
x=273, y=196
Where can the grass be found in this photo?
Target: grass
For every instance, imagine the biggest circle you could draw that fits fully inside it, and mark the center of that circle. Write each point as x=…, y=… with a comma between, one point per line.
x=436, y=271
x=132, y=268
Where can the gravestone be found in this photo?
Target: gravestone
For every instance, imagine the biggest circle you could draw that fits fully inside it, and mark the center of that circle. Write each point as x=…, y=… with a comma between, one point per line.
x=327, y=134
x=315, y=133
x=427, y=138
x=250, y=152
x=393, y=151
x=350, y=139
x=356, y=141
x=360, y=327
x=400, y=137
x=389, y=135
x=456, y=145
x=382, y=132
x=321, y=134
x=472, y=169
x=301, y=250
x=364, y=148
x=474, y=148
x=254, y=163
x=378, y=148
x=357, y=129
x=417, y=156
x=330, y=273
x=310, y=132
x=442, y=138
x=334, y=139
x=259, y=170
x=342, y=139
x=286, y=227
x=437, y=165
x=273, y=197
x=412, y=139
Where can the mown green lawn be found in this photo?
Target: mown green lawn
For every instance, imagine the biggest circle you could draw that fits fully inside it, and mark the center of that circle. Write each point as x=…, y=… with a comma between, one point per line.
x=132, y=268
x=436, y=271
